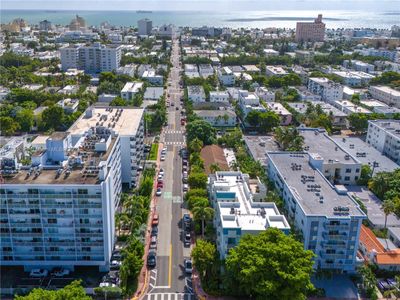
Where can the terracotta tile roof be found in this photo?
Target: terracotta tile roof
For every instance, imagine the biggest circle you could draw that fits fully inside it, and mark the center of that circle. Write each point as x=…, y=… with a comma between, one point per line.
x=388, y=258
x=369, y=240
x=214, y=154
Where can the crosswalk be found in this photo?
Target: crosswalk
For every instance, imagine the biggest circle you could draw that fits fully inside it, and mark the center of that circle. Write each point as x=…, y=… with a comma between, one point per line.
x=175, y=143
x=173, y=131
x=169, y=296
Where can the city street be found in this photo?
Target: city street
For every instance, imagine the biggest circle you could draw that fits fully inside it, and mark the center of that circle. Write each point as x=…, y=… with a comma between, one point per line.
x=168, y=280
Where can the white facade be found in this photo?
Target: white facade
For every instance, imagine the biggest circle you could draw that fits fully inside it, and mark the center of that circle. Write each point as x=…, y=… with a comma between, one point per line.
x=265, y=94
x=61, y=211
x=327, y=89
x=206, y=70
x=218, y=118
x=239, y=209
x=153, y=78
x=92, y=59
x=166, y=30
x=327, y=218
x=219, y=96
x=384, y=135
x=386, y=94
x=275, y=71
x=130, y=89
x=354, y=78
x=249, y=101
x=144, y=26
x=226, y=76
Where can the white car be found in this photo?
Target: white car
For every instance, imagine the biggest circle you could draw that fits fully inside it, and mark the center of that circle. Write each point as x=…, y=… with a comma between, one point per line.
x=38, y=273
x=160, y=177
x=161, y=172
x=159, y=192
x=60, y=272
x=107, y=284
x=162, y=158
x=115, y=265
x=185, y=187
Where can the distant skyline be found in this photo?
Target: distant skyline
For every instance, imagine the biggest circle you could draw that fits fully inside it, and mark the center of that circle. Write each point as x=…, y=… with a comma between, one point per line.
x=204, y=5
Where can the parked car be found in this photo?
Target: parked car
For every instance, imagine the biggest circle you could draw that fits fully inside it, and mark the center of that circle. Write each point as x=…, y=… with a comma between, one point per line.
x=383, y=285
x=187, y=239
x=188, y=266
x=60, y=272
x=155, y=220
x=160, y=184
x=392, y=282
x=154, y=231
x=112, y=277
x=160, y=176
x=107, y=284
x=115, y=265
x=185, y=162
x=152, y=259
x=184, y=168
x=153, y=242
x=162, y=158
x=172, y=104
x=38, y=273
x=187, y=222
x=161, y=172
x=158, y=192
x=177, y=108
x=116, y=255
x=185, y=187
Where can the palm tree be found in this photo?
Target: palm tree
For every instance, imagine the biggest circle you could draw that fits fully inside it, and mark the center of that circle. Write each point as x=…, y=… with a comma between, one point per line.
x=388, y=208
x=226, y=118
x=214, y=168
x=196, y=145
x=203, y=213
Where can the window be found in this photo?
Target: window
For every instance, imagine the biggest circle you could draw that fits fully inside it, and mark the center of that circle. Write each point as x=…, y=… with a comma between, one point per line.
x=348, y=170
x=347, y=178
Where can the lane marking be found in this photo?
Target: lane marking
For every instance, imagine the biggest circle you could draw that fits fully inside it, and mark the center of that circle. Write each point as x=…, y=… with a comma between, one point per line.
x=170, y=266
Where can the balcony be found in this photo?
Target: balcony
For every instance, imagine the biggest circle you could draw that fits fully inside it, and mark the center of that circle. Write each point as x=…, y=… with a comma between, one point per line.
x=337, y=227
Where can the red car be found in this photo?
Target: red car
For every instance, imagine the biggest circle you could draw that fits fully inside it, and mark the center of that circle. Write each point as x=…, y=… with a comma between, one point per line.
x=160, y=185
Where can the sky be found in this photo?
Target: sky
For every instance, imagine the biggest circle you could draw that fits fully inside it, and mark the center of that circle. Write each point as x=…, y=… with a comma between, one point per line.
x=206, y=5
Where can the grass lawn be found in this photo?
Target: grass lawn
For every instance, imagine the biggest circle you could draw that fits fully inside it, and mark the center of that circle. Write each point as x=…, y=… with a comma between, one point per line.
x=153, y=152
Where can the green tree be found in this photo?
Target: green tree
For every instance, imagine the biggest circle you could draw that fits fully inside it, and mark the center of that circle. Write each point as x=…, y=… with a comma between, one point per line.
x=73, y=291
x=388, y=208
x=202, y=130
x=231, y=139
x=195, y=145
x=195, y=193
x=197, y=201
x=8, y=126
x=203, y=254
x=197, y=180
x=365, y=175
x=289, y=138
x=53, y=118
x=24, y=118
x=369, y=281
x=289, y=266
x=118, y=101
x=359, y=122
x=202, y=212
x=215, y=168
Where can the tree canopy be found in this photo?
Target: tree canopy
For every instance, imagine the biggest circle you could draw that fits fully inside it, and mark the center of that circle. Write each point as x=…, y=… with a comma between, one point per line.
x=202, y=130
x=270, y=265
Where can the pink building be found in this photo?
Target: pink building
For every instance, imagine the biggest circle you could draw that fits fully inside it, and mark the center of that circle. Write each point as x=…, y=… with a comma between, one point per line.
x=281, y=111
x=310, y=31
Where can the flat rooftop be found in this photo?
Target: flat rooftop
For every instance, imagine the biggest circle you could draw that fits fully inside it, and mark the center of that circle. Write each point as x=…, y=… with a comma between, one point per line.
x=247, y=214
x=390, y=126
x=258, y=146
x=50, y=176
x=317, y=141
x=308, y=197
x=126, y=124
x=365, y=153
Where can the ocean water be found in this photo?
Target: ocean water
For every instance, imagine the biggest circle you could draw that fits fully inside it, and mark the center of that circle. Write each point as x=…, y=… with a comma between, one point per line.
x=235, y=19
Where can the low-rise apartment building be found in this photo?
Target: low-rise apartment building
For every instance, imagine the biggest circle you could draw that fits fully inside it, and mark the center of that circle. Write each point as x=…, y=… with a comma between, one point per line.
x=281, y=111
x=219, y=96
x=218, y=118
x=327, y=89
x=275, y=71
x=206, y=70
x=265, y=94
x=337, y=165
x=249, y=101
x=239, y=209
x=130, y=89
x=327, y=218
x=354, y=78
x=226, y=76
x=384, y=135
x=153, y=78
x=386, y=94
x=196, y=93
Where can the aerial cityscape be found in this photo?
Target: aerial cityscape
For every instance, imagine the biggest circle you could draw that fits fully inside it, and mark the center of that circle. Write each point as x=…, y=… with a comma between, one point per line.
x=179, y=153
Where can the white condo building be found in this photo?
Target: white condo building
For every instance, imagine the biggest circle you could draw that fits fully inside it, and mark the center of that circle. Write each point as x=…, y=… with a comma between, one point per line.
x=327, y=218
x=130, y=89
x=94, y=58
x=249, y=101
x=327, y=89
x=239, y=209
x=386, y=94
x=59, y=212
x=226, y=76
x=384, y=135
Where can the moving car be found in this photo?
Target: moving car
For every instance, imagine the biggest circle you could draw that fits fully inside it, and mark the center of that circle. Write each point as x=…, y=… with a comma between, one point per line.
x=151, y=259
x=60, y=272
x=38, y=273
x=188, y=266
x=158, y=192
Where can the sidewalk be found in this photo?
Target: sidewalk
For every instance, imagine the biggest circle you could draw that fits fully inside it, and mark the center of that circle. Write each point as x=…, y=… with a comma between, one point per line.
x=143, y=276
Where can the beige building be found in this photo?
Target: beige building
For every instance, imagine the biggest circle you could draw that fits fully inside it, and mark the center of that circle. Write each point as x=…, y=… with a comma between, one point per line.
x=310, y=31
